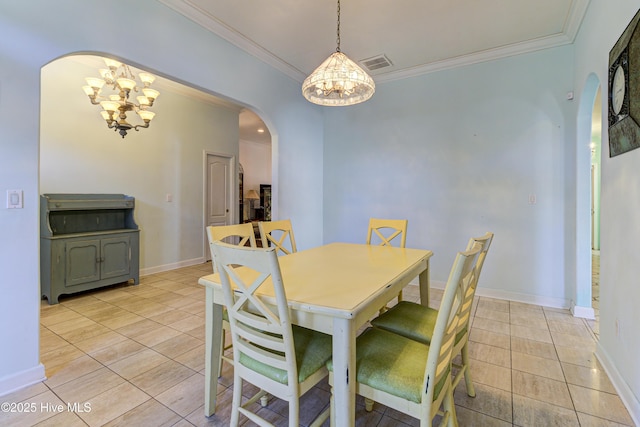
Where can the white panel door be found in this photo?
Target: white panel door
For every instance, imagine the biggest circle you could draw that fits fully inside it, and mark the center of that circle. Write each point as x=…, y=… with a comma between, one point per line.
x=218, y=183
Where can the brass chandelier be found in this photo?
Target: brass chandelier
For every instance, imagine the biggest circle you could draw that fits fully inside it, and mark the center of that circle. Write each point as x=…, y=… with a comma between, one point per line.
x=121, y=82
x=338, y=80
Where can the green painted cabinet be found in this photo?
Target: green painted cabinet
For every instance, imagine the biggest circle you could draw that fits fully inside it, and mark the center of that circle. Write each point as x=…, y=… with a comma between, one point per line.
x=87, y=241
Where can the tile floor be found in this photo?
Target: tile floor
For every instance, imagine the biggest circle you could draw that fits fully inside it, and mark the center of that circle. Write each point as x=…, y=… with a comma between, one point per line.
x=134, y=355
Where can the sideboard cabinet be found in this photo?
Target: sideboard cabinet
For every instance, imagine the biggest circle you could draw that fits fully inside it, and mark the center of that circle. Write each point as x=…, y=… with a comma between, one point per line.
x=87, y=241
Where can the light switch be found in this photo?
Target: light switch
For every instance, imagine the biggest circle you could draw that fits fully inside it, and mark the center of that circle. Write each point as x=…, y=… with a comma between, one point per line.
x=14, y=199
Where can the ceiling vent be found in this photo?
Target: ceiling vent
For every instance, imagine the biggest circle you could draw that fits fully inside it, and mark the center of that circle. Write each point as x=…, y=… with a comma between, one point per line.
x=376, y=62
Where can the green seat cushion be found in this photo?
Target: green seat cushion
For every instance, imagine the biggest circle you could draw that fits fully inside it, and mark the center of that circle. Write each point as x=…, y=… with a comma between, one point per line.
x=392, y=363
x=409, y=319
x=313, y=350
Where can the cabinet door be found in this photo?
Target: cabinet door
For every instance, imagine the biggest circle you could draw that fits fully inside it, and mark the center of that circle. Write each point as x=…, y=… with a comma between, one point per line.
x=83, y=262
x=115, y=257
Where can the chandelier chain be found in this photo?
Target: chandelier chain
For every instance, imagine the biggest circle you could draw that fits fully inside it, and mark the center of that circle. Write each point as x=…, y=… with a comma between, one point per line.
x=338, y=32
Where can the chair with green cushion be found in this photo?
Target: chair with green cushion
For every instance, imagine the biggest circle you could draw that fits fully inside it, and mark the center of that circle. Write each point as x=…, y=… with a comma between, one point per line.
x=409, y=376
x=387, y=232
x=281, y=359
x=417, y=322
x=235, y=233
x=276, y=233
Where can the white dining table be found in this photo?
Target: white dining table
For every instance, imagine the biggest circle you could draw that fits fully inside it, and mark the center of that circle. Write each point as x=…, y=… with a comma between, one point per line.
x=335, y=289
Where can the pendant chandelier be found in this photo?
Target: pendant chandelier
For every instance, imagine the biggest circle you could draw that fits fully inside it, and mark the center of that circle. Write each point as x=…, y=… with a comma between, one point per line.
x=338, y=80
x=119, y=79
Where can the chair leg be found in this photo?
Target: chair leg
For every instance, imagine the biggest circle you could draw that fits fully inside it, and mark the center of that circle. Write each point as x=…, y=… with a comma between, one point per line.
x=294, y=412
x=264, y=400
x=450, y=408
x=368, y=404
x=236, y=401
x=222, y=354
x=471, y=391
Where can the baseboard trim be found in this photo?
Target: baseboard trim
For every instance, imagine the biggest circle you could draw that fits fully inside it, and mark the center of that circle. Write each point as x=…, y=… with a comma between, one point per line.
x=510, y=296
x=20, y=380
x=629, y=400
x=172, y=266
x=583, y=312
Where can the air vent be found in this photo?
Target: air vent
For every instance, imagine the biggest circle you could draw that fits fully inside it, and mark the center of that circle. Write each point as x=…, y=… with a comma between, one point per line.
x=376, y=62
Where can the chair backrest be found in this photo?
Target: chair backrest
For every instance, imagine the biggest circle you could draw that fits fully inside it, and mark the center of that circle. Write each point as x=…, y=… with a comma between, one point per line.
x=485, y=241
x=258, y=330
x=242, y=233
x=438, y=367
x=386, y=230
x=276, y=233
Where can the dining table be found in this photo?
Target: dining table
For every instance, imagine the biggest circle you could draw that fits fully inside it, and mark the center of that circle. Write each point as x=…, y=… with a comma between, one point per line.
x=335, y=289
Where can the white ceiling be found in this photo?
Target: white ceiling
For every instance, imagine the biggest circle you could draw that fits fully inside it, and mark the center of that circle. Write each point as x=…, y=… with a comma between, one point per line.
x=417, y=36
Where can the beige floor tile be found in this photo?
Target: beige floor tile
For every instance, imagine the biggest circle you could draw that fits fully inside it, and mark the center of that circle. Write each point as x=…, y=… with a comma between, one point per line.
x=499, y=316
x=155, y=335
x=531, y=412
x=121, y=321
x=117, y=351
x=149, y=413
x=64, y=419
x=170, y=316
x=71, y=325
x=491, y=375
x=541, y=388
x=529, y=318
x=493, y=304
x=599, y=404
x=113, y=403
x=561, y=316
x=490, y=338
x=31, y=411
x=161, y=377
x=569, y=340
x=523, y=306
x=100, y=341
x=188, y=323
x=591, y=421
x=489, y=401
x=141, y=327
x=184, y=397
x=193, y=359
x=491, y=325
x=50, y=341
x=138, y=363
x=578, y=356
x=61, y=355
x=468, y=418
x=69, y=371
x=537, y=365
x=89, y=385
x=59, y=316
x=594, y=377
x=490, y=354
x=576, y=329
x=85, y=333
x=536, y=334
x=534, y=348
x=177, y=345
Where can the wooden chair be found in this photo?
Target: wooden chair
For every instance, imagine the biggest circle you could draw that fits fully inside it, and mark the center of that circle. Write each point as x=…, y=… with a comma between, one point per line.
x=409, y=376
x=283, y=360
x=242, y=234
x=275, y=233
x=383, y=232
x=417, y=322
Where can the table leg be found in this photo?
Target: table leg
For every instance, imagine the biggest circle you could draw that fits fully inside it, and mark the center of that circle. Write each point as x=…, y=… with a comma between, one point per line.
x=424, y=286
x=344, y=362
x=213, y=352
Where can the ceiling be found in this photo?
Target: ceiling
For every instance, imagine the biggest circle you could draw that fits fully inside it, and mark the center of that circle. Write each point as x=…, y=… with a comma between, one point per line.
x=417, y=36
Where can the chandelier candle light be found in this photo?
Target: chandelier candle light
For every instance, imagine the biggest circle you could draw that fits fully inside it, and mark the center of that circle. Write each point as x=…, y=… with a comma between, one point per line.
x=119, y=78
x=338, y=80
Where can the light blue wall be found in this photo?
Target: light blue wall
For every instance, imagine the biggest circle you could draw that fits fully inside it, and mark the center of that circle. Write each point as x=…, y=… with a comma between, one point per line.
x=37, y=32
x=458, y=153
x=619, y=344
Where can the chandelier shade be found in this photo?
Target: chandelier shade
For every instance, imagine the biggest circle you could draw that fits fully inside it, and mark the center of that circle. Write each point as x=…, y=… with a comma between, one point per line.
x=338, y=81
x=121, y=82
